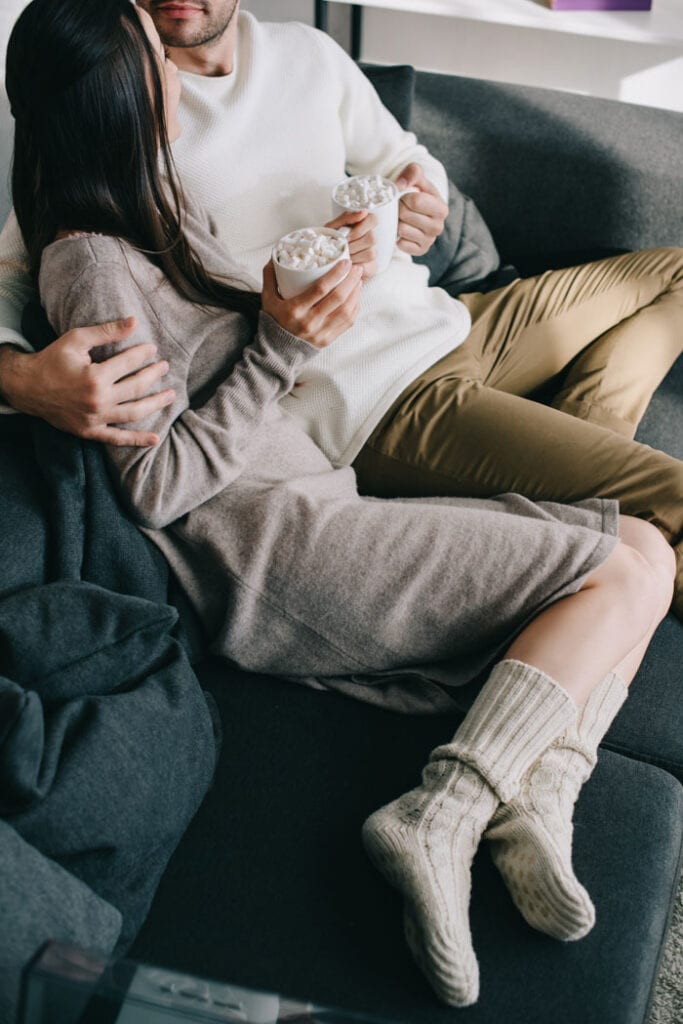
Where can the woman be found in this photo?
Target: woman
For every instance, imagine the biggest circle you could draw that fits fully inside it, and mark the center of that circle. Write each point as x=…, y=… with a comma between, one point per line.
x=291, y=571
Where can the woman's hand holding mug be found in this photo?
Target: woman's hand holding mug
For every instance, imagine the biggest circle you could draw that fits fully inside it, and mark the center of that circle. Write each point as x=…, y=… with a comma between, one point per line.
x=362, y=238
x=323, y=311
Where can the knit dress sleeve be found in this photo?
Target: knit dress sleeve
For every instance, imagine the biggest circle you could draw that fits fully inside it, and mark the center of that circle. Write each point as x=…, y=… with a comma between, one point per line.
x=375, y=142
x=201, y=450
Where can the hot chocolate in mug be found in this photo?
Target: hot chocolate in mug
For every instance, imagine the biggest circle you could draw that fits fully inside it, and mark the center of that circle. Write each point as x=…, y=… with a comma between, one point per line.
x=380, y=196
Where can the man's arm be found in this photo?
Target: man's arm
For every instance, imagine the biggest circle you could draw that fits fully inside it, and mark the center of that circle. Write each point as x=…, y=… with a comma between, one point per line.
x=16, y=288
x=61, y=384
x=376, y=144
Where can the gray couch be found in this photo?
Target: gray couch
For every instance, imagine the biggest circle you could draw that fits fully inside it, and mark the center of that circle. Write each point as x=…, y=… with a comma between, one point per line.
x=270, y=886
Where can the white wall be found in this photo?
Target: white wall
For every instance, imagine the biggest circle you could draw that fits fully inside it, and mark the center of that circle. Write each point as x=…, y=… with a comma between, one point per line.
x=636, y=73
x=9, y=12
x=301, y=10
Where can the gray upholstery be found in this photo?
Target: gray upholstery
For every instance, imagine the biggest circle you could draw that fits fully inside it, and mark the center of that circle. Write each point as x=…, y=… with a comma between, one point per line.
x=40, y=899
x=553, y=171
x=271, y=888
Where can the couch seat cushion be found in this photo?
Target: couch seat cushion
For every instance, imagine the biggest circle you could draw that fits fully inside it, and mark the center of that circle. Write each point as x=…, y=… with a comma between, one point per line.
x=271, y=888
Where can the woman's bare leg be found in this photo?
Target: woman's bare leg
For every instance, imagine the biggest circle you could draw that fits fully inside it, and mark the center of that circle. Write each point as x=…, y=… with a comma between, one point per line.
x=646, y=539
x=532, y=834
x=607, y=624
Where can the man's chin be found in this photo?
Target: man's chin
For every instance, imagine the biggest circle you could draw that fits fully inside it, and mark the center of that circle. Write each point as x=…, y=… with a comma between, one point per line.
x=179, y=40
x=179, y=33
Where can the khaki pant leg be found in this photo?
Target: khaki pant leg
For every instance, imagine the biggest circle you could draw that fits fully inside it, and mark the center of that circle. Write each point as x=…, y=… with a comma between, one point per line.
x=464, y=428
x=616, y=325
x=613, y=380
x=459, y=437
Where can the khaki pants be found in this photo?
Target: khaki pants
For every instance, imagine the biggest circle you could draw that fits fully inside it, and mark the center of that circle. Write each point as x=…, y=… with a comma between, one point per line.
x=466, y=426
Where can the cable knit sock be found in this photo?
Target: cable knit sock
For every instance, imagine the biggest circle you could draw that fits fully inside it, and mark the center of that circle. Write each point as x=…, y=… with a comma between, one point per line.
x=531, y=835
x=424, y=842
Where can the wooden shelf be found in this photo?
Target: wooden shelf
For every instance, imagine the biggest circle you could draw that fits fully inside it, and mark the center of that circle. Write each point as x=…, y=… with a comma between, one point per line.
x=662, y=25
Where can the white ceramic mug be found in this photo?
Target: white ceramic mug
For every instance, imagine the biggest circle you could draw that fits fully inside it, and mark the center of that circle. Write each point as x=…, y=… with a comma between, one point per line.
x=386, y=232
x=292, y=281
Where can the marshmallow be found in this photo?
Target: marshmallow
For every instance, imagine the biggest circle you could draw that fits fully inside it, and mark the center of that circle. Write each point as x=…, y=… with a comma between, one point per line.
x=365, y=192
x=307, y=248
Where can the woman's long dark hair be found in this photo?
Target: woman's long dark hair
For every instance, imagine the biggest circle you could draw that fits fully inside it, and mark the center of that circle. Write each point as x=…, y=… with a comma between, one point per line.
x=91, y=152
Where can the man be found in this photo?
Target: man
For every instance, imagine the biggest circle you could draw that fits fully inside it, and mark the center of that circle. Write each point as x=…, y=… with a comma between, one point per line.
x=422, y=390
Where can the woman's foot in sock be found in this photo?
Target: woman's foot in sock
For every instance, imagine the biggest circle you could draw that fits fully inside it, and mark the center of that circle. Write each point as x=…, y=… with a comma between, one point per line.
x=424, y=843
x=531, y=839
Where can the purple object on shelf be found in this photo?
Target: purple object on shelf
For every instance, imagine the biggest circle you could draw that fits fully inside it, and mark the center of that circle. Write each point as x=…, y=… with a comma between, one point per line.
x=600, y=5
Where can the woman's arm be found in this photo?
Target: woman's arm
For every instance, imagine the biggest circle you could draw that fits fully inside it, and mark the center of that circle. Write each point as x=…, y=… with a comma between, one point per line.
x=59, y=383
x=200, y=450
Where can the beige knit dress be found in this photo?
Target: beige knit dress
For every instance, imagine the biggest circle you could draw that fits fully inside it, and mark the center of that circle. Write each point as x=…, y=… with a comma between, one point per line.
x=290, y=570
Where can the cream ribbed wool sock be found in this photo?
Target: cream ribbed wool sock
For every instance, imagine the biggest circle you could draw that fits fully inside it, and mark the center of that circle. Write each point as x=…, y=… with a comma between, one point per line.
x=531, y=835
x=424, y=842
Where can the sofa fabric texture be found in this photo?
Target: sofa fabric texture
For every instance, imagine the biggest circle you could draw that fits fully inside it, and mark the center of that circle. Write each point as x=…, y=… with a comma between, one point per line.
x=271, y=888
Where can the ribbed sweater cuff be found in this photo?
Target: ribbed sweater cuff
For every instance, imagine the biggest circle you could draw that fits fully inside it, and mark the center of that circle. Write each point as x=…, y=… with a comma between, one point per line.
x=516, y=716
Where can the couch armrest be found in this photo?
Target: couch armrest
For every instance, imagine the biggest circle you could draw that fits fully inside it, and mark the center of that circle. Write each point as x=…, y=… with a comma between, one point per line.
x=554, y=171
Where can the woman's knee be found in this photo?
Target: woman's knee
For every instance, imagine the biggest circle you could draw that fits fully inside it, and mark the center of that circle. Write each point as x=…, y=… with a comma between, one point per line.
x=651, y=544
x=635, y=590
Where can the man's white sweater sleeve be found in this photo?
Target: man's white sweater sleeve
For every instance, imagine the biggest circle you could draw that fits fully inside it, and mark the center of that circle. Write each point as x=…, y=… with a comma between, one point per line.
x=16, y=288
x=375, y=141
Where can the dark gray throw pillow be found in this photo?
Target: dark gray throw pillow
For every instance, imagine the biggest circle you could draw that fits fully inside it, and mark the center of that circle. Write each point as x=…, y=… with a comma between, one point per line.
x=395, y=86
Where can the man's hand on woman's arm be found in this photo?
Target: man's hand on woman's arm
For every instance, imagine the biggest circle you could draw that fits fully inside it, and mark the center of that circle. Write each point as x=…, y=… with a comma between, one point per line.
x=61, y=384
x=422, y=215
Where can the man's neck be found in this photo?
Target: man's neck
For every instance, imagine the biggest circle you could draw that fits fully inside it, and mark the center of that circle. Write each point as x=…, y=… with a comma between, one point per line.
x=213, y=60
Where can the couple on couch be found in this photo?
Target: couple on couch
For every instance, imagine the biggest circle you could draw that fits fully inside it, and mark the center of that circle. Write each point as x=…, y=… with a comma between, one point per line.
x=503, y=554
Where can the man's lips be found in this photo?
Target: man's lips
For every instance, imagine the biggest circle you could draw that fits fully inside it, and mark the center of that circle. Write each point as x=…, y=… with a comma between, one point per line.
x=178, y=10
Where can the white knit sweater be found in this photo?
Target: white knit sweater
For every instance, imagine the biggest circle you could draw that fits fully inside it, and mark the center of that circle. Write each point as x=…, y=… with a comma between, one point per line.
x=262, y=149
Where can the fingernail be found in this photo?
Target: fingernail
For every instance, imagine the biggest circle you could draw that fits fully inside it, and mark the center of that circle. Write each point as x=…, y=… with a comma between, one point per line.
x=401, y=183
